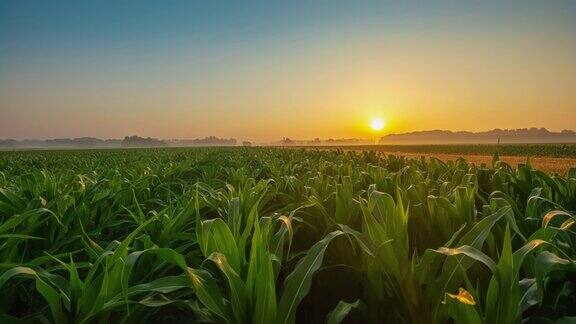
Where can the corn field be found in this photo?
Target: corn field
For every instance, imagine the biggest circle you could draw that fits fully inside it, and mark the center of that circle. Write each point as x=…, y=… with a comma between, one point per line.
x=265, y=235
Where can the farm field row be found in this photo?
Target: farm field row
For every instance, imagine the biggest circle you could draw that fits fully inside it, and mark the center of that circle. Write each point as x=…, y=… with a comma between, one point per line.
x=271, y=235
x=556, y=158
x=562, y=150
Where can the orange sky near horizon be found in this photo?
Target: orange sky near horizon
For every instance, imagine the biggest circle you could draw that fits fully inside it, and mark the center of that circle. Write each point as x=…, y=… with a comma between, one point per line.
x=450, y=66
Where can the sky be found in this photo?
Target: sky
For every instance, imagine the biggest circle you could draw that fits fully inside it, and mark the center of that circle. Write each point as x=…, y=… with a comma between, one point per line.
x=263, y=70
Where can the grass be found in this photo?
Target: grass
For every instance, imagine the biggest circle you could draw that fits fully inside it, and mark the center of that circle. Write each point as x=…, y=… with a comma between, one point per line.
x=265, y=235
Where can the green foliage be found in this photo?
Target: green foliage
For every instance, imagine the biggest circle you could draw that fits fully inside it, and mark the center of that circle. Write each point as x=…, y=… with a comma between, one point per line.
x=567, y=150
x=264, y=235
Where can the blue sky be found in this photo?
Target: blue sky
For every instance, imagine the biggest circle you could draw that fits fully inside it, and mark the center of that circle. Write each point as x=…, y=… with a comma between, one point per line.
x=266, y=69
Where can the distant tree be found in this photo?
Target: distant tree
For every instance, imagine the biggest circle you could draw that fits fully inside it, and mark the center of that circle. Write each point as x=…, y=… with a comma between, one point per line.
x=8, y=143
x=206, y=141
x=137, y=141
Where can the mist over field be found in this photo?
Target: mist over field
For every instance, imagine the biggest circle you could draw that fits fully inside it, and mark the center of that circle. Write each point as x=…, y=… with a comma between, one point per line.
x=439, y=137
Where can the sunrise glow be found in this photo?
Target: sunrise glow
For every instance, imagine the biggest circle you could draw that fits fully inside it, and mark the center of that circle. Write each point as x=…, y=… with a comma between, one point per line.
x=377, y=124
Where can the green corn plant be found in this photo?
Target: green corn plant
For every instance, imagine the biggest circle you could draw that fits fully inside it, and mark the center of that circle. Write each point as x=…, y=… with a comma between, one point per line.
x=265, y=235
x=389, y=270
x=503, y=300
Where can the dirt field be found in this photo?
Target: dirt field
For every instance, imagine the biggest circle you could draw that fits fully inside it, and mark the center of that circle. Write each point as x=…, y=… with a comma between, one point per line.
x=552, y=165
x=547, y=164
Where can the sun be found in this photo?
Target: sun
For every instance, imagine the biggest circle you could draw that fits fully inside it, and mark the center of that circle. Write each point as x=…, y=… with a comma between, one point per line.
x=377, y=124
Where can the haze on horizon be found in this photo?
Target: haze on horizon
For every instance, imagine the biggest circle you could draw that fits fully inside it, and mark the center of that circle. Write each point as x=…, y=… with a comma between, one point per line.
x=263, y=70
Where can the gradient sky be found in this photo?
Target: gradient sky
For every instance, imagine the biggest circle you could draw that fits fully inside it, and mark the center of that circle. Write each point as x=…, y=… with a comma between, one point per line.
x=262, y=70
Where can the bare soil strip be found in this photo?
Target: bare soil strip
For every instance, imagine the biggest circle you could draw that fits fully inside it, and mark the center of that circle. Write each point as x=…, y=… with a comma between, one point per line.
x=547, y=164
